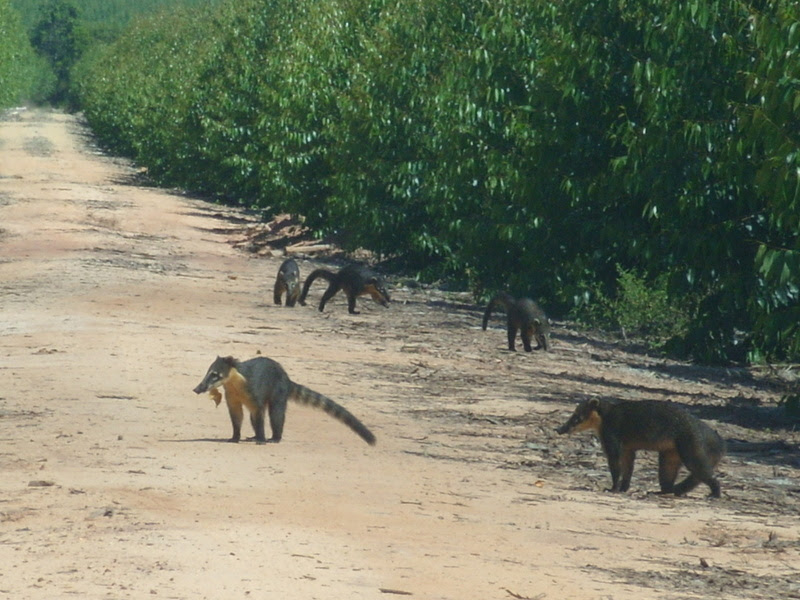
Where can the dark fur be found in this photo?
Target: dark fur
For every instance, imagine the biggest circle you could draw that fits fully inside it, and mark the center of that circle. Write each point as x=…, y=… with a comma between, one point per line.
x=522, y=315
x=680, y=438
x=288, y=282
x=355, y=280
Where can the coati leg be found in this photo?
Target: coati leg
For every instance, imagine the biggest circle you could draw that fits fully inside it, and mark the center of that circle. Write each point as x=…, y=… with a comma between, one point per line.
x=512, y=336
x=612, y=451
x=626, y=468
x=526, y=338
x=257, y=420
x=700, y=469
x=291, y=297
x=691, y=482
x=686, y=486
x=351, y=303
x=669, y=463
x=329, y=293
x=614, y=468
x=237, y=415
x=277, y=417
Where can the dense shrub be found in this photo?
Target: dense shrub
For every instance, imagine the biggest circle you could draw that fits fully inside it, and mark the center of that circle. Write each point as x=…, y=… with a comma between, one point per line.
x=19, y=68
x=537, y=146
x=640, y=310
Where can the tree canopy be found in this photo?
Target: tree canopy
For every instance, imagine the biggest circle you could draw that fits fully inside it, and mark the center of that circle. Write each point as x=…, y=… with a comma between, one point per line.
x=17, y=59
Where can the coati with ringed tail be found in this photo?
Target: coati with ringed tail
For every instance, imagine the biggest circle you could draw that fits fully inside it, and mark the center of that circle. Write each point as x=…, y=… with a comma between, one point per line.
x=262, y=385
x=626, y=426
x=355, y=280
x=522, y=315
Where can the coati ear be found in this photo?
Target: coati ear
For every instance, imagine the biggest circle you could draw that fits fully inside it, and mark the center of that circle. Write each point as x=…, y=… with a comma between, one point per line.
x=229, y=360
x=593, y=404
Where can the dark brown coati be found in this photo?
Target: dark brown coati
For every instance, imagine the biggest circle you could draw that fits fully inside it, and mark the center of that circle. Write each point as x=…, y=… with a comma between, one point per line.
x=627, y=426
x=522, y=315
x=355, y=280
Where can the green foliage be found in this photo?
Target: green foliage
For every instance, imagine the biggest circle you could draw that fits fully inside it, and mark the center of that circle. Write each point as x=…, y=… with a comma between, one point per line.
x=549, y=148
x=113, y=14
x=18, y=65
x=54, y=38
x=140, y=107
x=240, y=103
x=769, y=129
x=61, y=31
x=641, y=310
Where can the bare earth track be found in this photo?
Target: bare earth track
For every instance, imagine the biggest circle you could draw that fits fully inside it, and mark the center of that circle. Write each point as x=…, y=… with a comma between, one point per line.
x=117, y=483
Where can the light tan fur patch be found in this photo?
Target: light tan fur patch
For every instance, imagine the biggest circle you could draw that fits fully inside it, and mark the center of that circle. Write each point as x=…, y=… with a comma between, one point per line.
x=594, y=422
x=236, y=391
x=373, y=291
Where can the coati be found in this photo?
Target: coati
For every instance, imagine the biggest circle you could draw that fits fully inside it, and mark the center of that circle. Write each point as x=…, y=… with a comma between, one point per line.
x=627, y=426
x=355, y=280
x=525, y=316
x=288, y=281
x=262, y=385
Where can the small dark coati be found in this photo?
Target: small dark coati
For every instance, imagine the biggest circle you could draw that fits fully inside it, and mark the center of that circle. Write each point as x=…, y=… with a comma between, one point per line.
x=288, y=282
x=262, y=385
x=627, y=426
x=525, y=316
x=355, y=280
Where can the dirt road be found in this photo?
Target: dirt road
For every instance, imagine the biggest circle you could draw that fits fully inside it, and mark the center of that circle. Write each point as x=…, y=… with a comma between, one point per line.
x=117, y=481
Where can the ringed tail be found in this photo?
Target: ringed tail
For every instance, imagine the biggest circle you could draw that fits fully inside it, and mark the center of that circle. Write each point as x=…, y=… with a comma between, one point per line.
x=303, y=395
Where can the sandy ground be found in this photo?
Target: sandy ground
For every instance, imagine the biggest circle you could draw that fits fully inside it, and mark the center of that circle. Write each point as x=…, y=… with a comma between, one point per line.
x=117, y=481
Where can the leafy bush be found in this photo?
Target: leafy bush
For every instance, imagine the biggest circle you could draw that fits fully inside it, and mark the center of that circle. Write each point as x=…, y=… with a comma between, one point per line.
x=640, y=309
x=526, y=145
x=18, y=65
x=55, y=39
x=140, y=107
x=107, y=14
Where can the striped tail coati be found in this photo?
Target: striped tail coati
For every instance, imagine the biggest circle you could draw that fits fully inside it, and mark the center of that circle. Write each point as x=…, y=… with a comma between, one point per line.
x=522, y=315
x=627, y=426
x=262, y=385
x=355, y=280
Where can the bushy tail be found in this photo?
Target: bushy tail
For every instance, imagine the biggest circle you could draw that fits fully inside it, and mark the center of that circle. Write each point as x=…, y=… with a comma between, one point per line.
x=324, y=273
x=501, y=298
x=303, y=395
